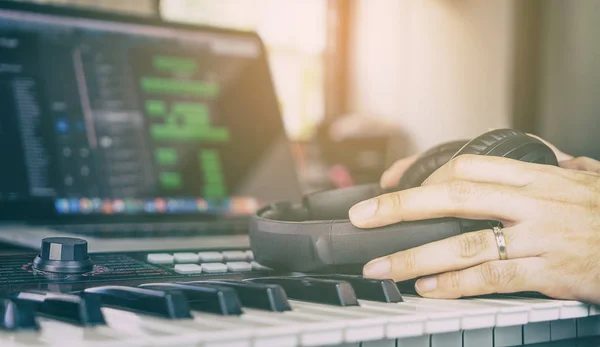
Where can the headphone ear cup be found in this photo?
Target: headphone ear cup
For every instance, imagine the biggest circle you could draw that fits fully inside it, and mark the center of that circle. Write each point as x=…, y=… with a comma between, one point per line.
x=428, y=162
x=511, y=144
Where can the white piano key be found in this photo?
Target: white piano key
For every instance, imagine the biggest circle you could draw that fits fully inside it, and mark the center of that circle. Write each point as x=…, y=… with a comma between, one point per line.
x=366, y=325
x=214, y=267
x=210, y=257
x=563, y=329
x=540, y=310
x=508, y=336
x=186, y=258
x=239, y=266
x=588, y=326
x=186, y=269
x=478, y=338
x=446, y=340
x=538, y=332
x=473, y=315
x=573, y=309
x=436, y=320
x=249, y=255
x=160, y=258
x=234, y=255
x=417, y=341
x=508, y=314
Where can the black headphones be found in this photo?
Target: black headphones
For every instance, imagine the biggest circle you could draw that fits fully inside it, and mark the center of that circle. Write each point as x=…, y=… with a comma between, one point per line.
x=316, y=235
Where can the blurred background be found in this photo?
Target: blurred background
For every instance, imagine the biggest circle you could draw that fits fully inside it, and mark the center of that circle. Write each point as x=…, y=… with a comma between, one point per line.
x=362, y=83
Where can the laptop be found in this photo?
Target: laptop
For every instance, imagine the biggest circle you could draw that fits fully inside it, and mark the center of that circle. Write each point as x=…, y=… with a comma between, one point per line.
x=133, y=133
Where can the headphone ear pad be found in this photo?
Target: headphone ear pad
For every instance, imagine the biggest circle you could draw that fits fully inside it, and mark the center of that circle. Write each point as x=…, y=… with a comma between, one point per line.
x=511, y=144
x=428, y=162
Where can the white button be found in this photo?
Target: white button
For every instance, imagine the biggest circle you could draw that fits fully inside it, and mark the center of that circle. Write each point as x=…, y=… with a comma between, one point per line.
x=239, y=266
x=257, y=267
x=188, y=268
x=160, y=258
x=186, y=258
x=210, y=257
x=249, y=255
x=234, y=255
x=214, y=267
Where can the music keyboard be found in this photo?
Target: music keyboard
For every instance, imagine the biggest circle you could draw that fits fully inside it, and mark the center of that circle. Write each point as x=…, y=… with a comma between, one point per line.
x=132, y=300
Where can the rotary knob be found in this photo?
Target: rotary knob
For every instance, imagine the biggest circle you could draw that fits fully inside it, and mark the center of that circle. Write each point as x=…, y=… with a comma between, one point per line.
x=63, y=255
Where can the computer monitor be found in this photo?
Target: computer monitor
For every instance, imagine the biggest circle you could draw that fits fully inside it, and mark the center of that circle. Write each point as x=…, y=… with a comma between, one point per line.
x=104, y=116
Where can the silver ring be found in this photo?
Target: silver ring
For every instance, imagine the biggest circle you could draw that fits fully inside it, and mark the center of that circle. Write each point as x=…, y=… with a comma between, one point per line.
x=500, y=242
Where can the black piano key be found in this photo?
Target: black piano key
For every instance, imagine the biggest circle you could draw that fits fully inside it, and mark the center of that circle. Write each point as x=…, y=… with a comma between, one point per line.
x=268, y=297
x=323, y=291
x=206, y=298
x=81, y=309
x=16, y=314
x=369, y=289
x=170, y=304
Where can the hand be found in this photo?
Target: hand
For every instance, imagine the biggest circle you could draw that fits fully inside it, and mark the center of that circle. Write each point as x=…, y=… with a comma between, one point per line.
x=391, y=177
x=551, y=218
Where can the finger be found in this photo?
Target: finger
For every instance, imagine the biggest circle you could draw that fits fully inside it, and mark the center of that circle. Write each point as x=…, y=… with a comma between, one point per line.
x=455, y=198
x=581, y=164
x=487, y=169
x=454, y=253
x=501, y=276
x=391, y=177
x=560, y=155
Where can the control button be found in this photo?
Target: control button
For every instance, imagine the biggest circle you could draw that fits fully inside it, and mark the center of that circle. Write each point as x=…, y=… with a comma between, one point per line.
x=214, y=267
x=249, y=255
x=63, y=255
x=234, y=255
x=84, y=310
x=322, y=291
x=187, y=269
x=237, y=266
x=258, y=267
x=160, y=258
x=268, y=297
x=210, y=257
x=16, y=314
x=186, y=258
x=204, y=297
x=171, y=304
x=370, y=289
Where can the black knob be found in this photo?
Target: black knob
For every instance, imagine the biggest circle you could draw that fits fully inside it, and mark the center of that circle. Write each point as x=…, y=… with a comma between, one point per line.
x=64, y=255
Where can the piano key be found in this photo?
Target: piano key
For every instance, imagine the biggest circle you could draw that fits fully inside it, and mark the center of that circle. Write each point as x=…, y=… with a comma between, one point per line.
x=160, y=258
x=540, y=310
x=186, y=258
x=563, y=329
x=268, y=297
x=214, y=267
x=239, y=266
x=249, y=255
x=369, y=289
x=206, y=298
x=594, y=310
x=83, y=309
x=588, y=326
x=210, y=257
x=172, y=304
x=188, y=269
x=538, y=332
x=324, y=291
x=16, y=314
x=508, y=336
x=234, y=255
x=478, y=338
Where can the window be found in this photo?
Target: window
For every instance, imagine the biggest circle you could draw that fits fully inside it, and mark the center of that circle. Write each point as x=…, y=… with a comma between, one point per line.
x=295, y=34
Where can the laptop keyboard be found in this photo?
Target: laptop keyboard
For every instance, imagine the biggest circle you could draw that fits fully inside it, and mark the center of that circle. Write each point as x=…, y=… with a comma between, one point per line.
x=154, y=230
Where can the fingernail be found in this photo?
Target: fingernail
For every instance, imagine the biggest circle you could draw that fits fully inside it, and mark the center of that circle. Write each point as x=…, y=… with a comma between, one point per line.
x=363, y=210
x=427, y=284
x=378, y=268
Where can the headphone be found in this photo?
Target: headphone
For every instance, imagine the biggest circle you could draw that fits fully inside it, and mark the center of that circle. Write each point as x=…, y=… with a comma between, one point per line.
x=317, y=236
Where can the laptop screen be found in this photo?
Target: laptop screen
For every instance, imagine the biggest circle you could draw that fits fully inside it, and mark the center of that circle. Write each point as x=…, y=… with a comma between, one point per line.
x=106, y=117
